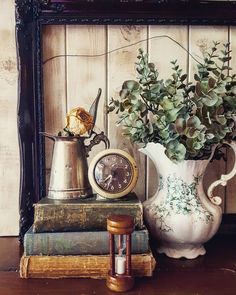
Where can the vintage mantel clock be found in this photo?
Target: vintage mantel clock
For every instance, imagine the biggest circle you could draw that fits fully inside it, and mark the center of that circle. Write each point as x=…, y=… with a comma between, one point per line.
x=113, y=173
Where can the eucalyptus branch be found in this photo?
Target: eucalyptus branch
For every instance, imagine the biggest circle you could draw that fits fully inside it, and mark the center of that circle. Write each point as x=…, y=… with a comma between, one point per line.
x=190, y=118
x=148, y=105
x=122, y=119
x=134, y=127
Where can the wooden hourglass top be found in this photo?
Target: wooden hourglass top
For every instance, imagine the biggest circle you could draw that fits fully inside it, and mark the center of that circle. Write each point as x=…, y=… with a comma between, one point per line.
x=120, y=224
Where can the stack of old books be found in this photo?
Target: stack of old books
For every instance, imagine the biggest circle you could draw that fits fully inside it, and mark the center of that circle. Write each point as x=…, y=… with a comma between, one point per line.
x=69, y=239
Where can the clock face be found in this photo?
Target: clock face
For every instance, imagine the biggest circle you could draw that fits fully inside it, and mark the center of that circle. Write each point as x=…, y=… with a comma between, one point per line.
x=113, y=173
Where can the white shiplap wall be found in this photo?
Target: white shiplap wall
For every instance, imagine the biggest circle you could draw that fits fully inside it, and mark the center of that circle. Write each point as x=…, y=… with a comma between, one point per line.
x=9, y=155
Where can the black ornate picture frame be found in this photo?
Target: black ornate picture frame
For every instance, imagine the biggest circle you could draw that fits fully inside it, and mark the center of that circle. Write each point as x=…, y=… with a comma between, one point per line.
x=31, y=15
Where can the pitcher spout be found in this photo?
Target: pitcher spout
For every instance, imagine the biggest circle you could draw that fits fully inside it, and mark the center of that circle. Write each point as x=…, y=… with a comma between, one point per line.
x=155, y=151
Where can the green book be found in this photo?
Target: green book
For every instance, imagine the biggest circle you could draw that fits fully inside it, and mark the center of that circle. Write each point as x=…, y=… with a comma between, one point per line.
x=85, y=214
x=78, y=243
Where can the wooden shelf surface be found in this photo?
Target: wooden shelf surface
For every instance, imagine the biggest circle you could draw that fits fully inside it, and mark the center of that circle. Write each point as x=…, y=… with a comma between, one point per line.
x=214, y=273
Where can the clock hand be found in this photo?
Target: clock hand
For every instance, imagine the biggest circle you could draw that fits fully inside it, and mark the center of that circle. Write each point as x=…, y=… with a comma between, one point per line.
x=108, y=177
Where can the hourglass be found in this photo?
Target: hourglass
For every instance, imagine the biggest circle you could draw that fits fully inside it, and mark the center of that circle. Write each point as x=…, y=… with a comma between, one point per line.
x=120, y=228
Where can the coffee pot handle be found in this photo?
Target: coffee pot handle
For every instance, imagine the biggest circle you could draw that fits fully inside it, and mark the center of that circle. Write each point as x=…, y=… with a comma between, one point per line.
x=96, y=140
x=224, y=177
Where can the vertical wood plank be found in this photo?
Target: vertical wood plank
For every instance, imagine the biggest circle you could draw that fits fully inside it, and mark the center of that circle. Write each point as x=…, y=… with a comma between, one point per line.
x=86, y=74
x=201, y=39
x=54, y=86
x=121, y=67
x=231, y=185
x=9, y=150
x=162, y=50
x=168, y=43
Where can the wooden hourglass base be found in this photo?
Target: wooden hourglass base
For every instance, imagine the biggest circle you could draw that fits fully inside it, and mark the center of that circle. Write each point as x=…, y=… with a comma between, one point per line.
x=120, y=283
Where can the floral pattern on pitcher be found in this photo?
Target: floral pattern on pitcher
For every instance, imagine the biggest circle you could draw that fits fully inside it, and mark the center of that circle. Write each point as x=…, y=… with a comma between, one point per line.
x=182, y=198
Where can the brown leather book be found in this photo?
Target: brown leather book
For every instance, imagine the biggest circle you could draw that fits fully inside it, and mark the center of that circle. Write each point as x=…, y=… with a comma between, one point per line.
x=80, y=266
x=88, y=214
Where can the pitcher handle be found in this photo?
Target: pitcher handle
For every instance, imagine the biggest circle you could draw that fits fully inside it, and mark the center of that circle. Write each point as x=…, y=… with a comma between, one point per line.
x=96, y=140
x=223, y=179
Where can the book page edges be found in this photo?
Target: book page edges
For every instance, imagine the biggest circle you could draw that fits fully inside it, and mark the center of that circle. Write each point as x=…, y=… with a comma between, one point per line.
x=83, y=266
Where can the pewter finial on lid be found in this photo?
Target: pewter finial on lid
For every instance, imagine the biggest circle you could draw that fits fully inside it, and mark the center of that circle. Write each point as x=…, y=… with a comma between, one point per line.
x=94, y=107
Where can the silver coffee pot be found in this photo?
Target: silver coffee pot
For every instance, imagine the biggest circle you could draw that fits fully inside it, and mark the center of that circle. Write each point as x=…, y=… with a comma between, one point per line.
x=69, y=169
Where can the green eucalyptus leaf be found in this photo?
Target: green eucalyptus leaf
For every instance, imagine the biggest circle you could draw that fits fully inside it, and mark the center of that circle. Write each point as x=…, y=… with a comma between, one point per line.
x=111, y=108
x=220, y=89
x=151, y=66
x=175, y=151
x=168, y=82
x=225, y=59
x=196, y=77
x=211, y=82
x=231, y=100
x=183, y=77
x=172, y=115
x=210, y=100
x=221, y=119
x=175, y=76
x=211, y=62
x=124, y=93
x=144, y=113
x=209, y=136
x=167, y=104
x=180, y=125
x=189, y=143
x=191, y=132
x=198, y=89
x=121, y=107
x=161, y=122
x=131, y=85
x=156, y=87
x=133, y=116
x=233, y=90
x=216, y=72
x=139, y=123
x=193, y=121
x=127, y=121
x=164, y=134
x=126, y=104
x=171, y=90
x=201, y=137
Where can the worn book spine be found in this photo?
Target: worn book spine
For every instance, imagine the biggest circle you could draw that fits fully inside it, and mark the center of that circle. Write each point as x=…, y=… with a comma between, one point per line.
x=79, y=217
x=78, y=243
x=81, y=266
